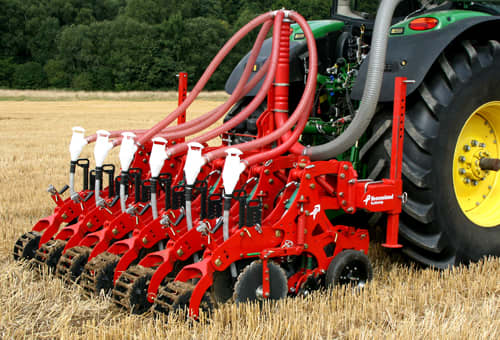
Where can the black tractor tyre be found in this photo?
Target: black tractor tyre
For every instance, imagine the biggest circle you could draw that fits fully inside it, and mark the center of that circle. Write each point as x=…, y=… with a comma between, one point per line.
x=349, y=267
x=433, y=228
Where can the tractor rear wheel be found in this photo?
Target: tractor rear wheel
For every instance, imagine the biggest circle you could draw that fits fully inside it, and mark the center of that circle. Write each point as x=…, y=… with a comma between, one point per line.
x=452, y=215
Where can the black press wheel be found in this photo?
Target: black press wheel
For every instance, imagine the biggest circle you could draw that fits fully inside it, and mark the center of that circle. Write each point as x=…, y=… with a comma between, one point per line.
x=248, y=287
x=349, y=267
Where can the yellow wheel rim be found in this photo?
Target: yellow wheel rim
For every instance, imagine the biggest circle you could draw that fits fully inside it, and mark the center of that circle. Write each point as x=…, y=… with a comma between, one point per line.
x=478, y=191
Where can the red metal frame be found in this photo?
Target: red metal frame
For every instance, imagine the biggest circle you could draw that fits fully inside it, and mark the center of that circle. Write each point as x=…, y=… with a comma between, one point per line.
x=302, y=227
x=182, y=94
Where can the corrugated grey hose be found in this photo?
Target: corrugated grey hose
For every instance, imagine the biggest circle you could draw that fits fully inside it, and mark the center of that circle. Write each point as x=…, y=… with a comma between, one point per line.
x=371, y=91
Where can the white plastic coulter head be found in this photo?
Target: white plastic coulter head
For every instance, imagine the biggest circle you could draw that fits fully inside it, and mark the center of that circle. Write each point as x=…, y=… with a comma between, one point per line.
x=77, y=143
x=102, y=147
x=158, y=156
x=233, y=167
x=127, y=150
x=194, y=162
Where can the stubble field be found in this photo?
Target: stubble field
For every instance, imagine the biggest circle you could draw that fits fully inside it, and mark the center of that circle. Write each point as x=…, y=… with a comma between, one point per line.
x=403, y=301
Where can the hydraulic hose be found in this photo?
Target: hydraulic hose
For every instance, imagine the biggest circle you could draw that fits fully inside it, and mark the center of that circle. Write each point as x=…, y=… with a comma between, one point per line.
x=252, y=106
x=262, y=19
x=285, y=146
x=303, y=108
x=205, y=77
x=371, y=91
x=241, y=89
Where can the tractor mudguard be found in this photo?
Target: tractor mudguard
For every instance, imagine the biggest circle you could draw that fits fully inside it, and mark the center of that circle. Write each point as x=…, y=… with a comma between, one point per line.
x=412, y=56
x=296, y=65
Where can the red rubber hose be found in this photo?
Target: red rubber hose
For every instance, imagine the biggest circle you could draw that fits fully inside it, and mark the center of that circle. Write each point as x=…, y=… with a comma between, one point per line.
x=252, y=106
x=303, y=108
x=206, y=76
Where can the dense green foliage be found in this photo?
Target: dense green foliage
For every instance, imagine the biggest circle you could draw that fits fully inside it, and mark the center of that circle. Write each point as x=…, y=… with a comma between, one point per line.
x=125, y=44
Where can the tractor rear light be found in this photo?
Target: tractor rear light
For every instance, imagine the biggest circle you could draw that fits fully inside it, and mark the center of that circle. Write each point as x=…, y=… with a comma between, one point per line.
x=423, y=24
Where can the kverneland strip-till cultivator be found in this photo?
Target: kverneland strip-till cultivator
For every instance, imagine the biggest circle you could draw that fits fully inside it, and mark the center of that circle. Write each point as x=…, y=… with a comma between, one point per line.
x=187, y=225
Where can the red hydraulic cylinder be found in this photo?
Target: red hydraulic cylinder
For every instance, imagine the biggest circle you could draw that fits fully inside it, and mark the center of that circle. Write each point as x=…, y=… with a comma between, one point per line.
x=398, y=130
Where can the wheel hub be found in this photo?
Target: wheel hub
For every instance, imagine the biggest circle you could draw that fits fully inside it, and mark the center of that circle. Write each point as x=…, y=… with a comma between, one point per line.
x=478, y=190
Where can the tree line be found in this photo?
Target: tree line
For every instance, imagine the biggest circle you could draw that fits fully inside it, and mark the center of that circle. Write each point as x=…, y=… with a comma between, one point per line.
x=125, y=44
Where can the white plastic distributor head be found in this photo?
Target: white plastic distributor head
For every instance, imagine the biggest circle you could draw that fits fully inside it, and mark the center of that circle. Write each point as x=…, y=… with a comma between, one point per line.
x=102, y=147
x=158, y=156
x=77, y=143
x=127, y=150
x=194, y=162
x=233, y=167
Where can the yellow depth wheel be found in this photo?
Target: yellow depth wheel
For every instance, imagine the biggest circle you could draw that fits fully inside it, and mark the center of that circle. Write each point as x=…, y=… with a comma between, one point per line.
x=478, y=190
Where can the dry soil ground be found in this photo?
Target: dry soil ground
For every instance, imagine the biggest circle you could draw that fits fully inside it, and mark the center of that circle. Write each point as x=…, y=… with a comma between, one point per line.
x=402, y=302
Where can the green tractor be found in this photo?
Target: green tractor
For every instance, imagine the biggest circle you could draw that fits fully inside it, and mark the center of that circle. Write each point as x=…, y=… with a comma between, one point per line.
x=451, y=50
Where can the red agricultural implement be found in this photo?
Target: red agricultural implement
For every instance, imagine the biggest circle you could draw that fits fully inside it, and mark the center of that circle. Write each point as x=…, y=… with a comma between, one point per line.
x=256, y=217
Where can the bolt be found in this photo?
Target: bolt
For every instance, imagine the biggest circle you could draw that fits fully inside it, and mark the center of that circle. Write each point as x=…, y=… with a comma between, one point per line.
x=466, y=180
x=308, y=176
x=171, y=165
x=271, y=181
x=350, y=209
x=241, y=254
x=306, y=212
x=144, y=160
x=114, y=231
x=461, y=159
x=477, y=203
x=352, y=181
x=341, y=194
x=145, y=240
x=266, y=206
x=277, y=233
x=344, y=202
x=312, y=186
x=346, y=167
x=306, y=246
x=473, y=142
x=466, y=148
x=180, y=252
x=484, y=196
x=242, y=234
x=218, y=262
x=482, y=145
x=302, y=165
x=267, y=294
x=64, y=216
x=89, y=225
x=305, y=231
x=474, y=183
x=461, y=171
x=266, y=171
x=490, y=187
x=342, y=176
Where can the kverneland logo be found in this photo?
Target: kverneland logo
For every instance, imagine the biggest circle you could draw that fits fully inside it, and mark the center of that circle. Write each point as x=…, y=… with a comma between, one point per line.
x=374, y=200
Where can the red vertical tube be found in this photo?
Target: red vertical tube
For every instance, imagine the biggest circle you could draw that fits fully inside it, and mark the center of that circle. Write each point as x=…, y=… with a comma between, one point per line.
x=398, y=130
x=182, y=93
x=282, y=77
